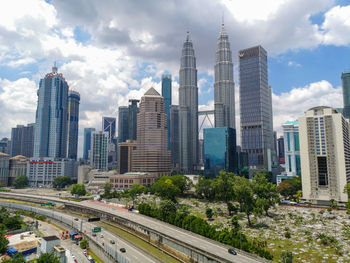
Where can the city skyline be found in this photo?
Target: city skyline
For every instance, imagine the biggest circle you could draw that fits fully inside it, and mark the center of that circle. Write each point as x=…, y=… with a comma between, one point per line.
x=291, y=62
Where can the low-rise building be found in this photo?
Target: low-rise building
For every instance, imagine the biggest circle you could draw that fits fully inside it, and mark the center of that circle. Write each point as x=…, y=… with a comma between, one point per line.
x=17, y=167
x=125, y=181
x=125, y=154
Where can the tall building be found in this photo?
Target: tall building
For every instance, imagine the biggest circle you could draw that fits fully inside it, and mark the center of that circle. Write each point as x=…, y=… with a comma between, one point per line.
x=345, y=77
x=166, y=93
x=87, y=142
x=280, y=146
x=219, y=149
x=292, y=147
x=174, y=136
x=5, y=145
x=50, y=136
x=123, y=124
x=125, y=155
x=108, y=125
x=22, y=140
x=73, y=124
x=132, y=119
x=17, y=167
x=151, y=154
x=256, y=108
x=224, y=86
x=99, y=150
x=325, y=155
x=201, y=152
x=188, y=112
x=4, y=168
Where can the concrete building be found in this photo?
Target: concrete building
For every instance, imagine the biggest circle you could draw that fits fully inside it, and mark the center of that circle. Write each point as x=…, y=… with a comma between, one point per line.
x=123, y=124
x=174, y=136
x=256, y=108
x=17, y=167
x=47, y=244
x=151, y=154
x=166, y=93
x=188, y=111
x=325, y=155
x=224, y=86
x=125, y=155
x=280, y=147
x=5, y=146
x=292, y=148
x=73, y=124
x=125, y=181
x=133, y=109
x=4, y=168
x=83, y=171
x=42, y=171
x=22, y=140
x=87, y=142
x=345, y=77
x=50, y=137
x=99, y=150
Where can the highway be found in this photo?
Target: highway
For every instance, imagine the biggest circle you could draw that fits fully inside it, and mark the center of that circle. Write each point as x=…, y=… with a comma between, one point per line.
x=191, y=239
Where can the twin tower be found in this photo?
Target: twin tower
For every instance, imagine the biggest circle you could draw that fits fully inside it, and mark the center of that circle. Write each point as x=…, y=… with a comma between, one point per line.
x=224, y=98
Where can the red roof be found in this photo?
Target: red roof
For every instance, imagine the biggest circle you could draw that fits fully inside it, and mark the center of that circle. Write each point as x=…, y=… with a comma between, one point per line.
x=78, y=236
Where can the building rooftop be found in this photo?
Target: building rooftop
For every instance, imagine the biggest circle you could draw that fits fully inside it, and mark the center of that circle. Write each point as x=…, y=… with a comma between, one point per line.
x=134, y=174
x=50, y=238
x=152, y=92
x=19, y=157
x=3, y=154
x=295, y=123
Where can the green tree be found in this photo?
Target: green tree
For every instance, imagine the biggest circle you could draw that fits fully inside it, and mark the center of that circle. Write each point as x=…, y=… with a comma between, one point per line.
x=285, y=189
x=78, y=189
x=287, y=257
x=84, y=243
x=135, y=190
x=268, y=175
x=61, y=182
x=166, y=189
x=244, y=196
x=107, y=188
x=3, y=241
x=17, y=258
x=167, y=208
x=209, y=212
x=47, y=258
x=20, y=182
x=205, y=189
x=223, y=188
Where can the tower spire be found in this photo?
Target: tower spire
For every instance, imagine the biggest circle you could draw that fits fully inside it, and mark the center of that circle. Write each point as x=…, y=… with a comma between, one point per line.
x=54, y=68
x=188, y=35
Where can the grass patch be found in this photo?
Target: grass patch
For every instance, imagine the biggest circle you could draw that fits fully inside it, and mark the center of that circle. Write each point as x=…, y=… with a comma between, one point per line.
x=140, y=243
x=93, y=255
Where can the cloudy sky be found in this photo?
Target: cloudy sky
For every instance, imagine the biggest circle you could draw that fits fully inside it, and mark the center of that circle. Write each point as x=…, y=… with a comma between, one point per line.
x=114, y=50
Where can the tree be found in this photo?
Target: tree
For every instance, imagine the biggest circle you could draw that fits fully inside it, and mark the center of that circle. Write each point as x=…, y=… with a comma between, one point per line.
x=167, y=208
x=205, y=189
x=47, y=258
x=166, y=189
x=20, y=182
x=244, y=196
x=84, y=243
x=285, y=189
x=209, y=212
x=223, y=188
x=107, y=188
x=3, y=241
x=78, y=189
x=135, y=190
x=267, y=174
x=61, y=182
x=287, y=257
x=17, y=258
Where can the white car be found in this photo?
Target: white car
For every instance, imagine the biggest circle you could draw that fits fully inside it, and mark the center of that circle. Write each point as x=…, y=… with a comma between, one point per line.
x=101, y=235
x=73, y=257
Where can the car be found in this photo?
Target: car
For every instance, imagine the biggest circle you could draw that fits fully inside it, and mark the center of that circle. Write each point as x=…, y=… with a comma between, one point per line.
x=73, y=257
x=101, y=235
x=123, y=250
x=112, y=242
x=93, y=234
x=84, y=251
x=76, y=219
x=92, y=260
x=75, y=261
x=232, y=251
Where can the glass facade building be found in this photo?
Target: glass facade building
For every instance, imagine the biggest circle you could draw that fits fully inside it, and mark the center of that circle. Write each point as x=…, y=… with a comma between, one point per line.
x=108, y=125
x=345, y=77
x=132, y=122
x=166, y=93
x=174, y=136
x=256, y=108
x=99, y=150
x=22, y=140
x=123, y=124
x=219, y=150
x=73, y=124
x=292, y=147
x=87, y=142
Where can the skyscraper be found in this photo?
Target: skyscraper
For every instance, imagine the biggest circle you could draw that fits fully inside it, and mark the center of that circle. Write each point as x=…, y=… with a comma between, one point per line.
x=123, y=124
x=151, y=154
x=325, y=155
x=50, y=137
x=345, y=77
x=224, y=86
x=132, y=122
x=292, y=147
x=174, y=135
x=99, y=150
x=108, y=125
x=22, y=140
x=87, y=142
x=256, y=108
x=166, y=93
x=280, y=144
x=188, y=113
x=73, y=124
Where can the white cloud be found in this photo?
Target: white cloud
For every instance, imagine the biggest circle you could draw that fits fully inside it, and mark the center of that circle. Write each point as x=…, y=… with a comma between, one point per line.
x=337, y=26
x=293, y=64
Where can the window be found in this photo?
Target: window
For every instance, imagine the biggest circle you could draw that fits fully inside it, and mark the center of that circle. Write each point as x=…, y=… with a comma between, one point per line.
x=322, y=171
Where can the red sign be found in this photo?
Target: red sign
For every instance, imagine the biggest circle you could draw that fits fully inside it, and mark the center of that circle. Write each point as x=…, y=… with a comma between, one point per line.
x=41, y=162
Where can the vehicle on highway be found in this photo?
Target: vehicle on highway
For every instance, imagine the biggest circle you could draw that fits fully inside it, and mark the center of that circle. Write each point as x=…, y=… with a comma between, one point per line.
x=123, y=250
x=101, y=235
x=92, y=260
x=112, y=242
x=93, y=234
x=232, y=251
x=76, y=219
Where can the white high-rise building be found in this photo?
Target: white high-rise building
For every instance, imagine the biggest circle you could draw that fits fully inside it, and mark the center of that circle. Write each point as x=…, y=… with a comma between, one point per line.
x=99, y=150
x=325, y=155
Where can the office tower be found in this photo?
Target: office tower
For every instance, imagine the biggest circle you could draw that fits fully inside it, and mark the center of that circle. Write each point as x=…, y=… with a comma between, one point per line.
x=325, y=155
x=151, y=154
x=17, y=167
x=108, y=125
x=5, y=145
x=345, y=77
x=201, y=152
x=123, y=124
x=50, y=136
x=224, y=86
x=99, y=150
x=242, y=161
x=22, y=140
x=73, y=124
x=174, y=136
x=132, y=119
x=256, y=108
x=292, y=147
x=4, y=168
x=125, y=154
x=219, y=150
x=280, y=146
x=188, y=112
x=166, y=93
x=87, y=142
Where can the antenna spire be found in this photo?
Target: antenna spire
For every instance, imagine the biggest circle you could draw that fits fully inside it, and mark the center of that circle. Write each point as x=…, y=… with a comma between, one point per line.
x=54, y=68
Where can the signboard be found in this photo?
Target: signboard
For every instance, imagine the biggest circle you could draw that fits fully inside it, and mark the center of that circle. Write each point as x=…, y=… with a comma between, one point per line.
x=93, y=219
x=96, y=229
